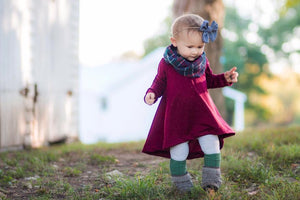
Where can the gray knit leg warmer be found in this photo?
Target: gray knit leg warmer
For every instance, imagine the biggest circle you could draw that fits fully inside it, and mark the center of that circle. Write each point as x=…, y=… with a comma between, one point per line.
x=183, y=183
x=211, y=178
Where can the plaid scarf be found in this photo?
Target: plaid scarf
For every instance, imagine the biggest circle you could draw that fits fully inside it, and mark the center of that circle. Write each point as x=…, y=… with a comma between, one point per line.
x=184, y=67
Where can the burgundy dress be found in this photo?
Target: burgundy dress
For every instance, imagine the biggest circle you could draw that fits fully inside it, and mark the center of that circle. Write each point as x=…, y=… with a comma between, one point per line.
x=186, y=111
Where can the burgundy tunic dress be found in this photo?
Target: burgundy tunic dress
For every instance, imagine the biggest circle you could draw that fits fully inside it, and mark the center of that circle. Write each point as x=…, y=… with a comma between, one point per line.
x=185, y=112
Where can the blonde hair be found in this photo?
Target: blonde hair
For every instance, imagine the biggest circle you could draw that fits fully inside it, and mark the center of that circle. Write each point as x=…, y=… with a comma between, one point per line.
x=186, y=22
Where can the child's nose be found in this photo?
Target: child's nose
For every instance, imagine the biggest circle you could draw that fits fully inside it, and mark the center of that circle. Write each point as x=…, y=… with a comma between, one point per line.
x=194, y=51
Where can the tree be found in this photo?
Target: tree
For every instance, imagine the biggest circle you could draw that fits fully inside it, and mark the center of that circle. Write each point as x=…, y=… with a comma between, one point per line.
x=209, y=10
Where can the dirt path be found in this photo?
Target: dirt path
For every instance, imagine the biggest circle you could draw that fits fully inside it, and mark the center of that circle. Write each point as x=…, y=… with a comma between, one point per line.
x=131, y=162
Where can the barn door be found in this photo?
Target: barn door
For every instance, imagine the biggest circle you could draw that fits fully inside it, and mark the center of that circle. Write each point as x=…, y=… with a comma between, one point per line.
x=47, y=113
x=53, y=111
x=12, y=112
x=53, y=68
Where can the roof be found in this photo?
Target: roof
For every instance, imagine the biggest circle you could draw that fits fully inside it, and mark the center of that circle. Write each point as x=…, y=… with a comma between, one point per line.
x=112, y=76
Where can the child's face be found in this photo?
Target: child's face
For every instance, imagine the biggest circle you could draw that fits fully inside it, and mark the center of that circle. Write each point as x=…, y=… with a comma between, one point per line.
x=189, y=44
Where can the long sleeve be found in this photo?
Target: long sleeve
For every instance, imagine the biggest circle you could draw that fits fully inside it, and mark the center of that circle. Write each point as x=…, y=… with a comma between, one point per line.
x=215, y=80
x=159, y=83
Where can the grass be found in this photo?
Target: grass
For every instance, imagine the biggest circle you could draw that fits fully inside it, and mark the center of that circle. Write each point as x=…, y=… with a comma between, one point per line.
x=256, y=164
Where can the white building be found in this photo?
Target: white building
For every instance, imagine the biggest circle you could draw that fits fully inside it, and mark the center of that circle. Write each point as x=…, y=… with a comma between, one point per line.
x=38, y=71
x=112, y=108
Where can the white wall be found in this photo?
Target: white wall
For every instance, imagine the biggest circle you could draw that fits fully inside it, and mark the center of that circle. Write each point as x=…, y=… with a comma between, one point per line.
x=126, y=117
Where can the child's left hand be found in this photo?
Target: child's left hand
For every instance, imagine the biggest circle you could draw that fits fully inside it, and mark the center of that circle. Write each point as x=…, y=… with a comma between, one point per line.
x=231, y=75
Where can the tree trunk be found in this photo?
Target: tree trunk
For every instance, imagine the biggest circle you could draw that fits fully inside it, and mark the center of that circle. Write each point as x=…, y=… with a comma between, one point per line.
x=209, y=10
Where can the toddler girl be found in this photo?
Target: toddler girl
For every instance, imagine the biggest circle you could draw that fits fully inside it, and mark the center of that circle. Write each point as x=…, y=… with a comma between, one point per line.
x=187, y=124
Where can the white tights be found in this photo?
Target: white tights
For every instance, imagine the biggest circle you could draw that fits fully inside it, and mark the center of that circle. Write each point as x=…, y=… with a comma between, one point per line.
x=209, y=144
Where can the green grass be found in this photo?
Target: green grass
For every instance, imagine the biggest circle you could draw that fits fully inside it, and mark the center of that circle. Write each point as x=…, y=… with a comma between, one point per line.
x=256, y=164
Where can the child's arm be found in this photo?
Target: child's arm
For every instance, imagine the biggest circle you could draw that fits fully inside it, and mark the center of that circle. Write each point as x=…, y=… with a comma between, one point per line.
x=158, y=86
x=220, y=80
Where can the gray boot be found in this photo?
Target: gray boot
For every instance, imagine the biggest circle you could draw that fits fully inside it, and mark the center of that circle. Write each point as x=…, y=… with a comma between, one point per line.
x=183, y=183
x=211, y=178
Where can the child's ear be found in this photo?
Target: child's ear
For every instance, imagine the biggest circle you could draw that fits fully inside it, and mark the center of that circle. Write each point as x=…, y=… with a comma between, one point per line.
x=173, y=41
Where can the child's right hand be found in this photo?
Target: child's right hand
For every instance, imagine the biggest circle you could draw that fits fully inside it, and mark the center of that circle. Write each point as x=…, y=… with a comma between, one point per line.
x=150, y=98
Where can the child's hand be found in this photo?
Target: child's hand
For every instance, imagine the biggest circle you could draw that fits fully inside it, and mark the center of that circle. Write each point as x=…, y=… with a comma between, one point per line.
x=150, y=98
x=231, y=75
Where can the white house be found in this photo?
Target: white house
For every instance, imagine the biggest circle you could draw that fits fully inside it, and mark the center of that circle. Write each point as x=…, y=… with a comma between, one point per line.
x=112, y=107
x=38, y=72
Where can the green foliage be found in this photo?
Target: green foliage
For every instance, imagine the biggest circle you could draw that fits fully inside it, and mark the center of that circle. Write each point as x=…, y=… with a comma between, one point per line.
x=239, y=51
x=282, y=31
x=248, y=58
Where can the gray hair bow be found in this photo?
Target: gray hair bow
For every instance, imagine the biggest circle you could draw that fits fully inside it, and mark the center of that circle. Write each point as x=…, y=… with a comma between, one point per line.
x=209, y=32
